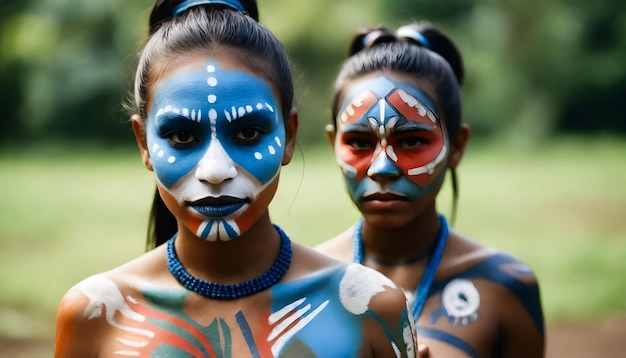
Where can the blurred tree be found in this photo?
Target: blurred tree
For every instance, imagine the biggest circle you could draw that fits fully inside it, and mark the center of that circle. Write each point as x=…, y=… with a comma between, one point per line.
x=534, y=68
x=74, y=61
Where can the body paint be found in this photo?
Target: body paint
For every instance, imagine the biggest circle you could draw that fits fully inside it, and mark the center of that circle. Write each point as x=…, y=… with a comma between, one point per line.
x=322, y=314
x=460, y=300
x=387, y=115
x=216, y=145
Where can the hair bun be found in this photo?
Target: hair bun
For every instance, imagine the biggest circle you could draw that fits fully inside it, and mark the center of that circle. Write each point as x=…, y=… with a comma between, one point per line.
x=370, y=38
x=412, y=34
x=425, y=34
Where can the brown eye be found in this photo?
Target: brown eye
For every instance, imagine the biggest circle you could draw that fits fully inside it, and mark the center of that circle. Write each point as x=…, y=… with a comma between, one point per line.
x=248, y=134
x=411, y=142
x=182, y=138
x=360, y=143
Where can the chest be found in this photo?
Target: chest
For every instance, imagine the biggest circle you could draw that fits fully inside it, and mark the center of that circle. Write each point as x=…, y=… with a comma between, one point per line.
x=281, y=322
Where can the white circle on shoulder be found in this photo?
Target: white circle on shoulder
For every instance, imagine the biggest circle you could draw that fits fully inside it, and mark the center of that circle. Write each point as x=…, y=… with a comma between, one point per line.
x=461, y=301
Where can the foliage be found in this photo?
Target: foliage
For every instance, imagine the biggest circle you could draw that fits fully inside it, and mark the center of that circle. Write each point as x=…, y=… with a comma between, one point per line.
x=535, y=68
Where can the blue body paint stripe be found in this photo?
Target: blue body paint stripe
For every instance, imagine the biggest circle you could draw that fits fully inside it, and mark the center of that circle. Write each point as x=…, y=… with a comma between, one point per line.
x=446, y=338
x=247, y=334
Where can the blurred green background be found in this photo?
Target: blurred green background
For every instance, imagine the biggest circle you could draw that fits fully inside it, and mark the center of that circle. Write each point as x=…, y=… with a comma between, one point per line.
x=543, y=177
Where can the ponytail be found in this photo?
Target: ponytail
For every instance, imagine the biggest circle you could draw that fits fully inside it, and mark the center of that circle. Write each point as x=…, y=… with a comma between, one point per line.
x=178, y=27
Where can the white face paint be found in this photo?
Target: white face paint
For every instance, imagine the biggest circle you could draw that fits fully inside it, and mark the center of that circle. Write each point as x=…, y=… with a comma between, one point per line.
x=216, y=144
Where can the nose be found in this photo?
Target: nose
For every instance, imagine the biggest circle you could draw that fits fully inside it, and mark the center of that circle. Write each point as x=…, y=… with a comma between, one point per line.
x=383, y=169
x=216, y=166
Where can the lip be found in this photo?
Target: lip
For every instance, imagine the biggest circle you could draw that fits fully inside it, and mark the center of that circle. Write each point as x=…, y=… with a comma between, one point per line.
x=384, y=202
x=217, y=207
x=385, y=197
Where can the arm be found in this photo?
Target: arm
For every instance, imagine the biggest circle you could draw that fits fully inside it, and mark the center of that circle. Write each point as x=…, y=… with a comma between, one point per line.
x=522, y=320
x=75, y=334
x=392, y=331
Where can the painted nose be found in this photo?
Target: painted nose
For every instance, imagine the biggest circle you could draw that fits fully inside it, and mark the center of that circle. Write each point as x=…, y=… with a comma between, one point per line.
x=216, y=166
x=383, y=169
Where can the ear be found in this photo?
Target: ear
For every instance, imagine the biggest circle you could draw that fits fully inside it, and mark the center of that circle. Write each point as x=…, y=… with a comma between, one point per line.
x=140, y=136
x=458, y=146
x=331, y=134
x=291, y=129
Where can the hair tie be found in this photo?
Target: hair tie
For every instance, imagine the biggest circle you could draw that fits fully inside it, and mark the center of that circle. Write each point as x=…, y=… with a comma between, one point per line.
x=411, y=33
x=369, y=39
x=185, y=5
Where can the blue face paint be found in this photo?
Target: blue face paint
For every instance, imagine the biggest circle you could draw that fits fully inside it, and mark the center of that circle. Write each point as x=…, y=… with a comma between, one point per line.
x=390, y=139
x=216, y=141
x=233, y=108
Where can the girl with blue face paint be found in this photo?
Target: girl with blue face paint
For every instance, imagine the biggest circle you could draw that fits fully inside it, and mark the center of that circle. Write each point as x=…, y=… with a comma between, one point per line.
x=215, y=123
x=397, y=130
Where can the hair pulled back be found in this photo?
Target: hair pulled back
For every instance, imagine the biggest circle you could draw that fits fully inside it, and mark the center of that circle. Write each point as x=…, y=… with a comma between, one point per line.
x=418, y=49
x=205, y=28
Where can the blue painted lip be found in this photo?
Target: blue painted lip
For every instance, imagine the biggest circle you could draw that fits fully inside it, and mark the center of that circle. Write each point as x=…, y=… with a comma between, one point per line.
x=218, y=211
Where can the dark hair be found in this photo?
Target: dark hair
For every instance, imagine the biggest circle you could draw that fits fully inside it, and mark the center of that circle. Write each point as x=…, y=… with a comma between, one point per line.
x=420, y=50
x=205, y=28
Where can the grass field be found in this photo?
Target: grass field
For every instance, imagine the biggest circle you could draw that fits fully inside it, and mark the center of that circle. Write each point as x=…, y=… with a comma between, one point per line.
x=561, y=208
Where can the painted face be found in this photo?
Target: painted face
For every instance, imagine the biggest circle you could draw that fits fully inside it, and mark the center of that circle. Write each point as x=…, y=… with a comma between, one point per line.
x=390, y=141
x=216, y=141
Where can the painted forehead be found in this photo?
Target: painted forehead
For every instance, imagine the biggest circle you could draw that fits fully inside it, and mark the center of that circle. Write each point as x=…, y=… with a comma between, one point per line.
x=212, y=93
x=407, y=99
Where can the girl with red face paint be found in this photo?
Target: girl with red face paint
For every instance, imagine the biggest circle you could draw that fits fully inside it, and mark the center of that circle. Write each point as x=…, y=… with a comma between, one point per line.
x=214, y=122
x=397, y=131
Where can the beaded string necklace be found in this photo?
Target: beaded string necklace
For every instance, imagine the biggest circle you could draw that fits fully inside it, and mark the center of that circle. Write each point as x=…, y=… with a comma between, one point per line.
x=431, y=267
x=221, y=291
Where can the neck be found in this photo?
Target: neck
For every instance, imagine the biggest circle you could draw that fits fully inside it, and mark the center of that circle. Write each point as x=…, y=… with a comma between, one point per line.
x=402, y=244
x=228, y=262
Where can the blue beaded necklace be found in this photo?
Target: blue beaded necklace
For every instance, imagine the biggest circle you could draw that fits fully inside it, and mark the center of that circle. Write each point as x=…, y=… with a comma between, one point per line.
x=431, y=267
x=220, y=291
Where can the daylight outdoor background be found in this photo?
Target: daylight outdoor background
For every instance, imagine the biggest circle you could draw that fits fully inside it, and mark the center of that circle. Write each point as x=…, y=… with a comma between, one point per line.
x=543, y=178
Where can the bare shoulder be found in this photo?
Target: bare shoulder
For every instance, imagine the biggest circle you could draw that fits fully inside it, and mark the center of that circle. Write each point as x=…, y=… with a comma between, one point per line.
x=338, y=247
x=472, y=269
x=362, y=284
x=467, y=255
x=85, y=312
x=367, y=291
x=81, y=316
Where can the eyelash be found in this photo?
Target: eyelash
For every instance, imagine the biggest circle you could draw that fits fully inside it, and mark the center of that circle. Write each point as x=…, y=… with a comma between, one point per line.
x=360, y=143
x=175, y=140
x=412, y=141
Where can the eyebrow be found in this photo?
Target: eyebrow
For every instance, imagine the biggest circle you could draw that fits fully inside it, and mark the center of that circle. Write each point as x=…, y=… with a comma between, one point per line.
x=409, y=126
x=405, y=126
x=242, y=112
x=170, y=113
x=356, y=127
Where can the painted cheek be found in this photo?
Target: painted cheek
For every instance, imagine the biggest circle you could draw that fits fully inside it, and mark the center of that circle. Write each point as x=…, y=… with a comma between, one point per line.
x=358, y=160
x=170, y=164
x=182, y=214
x=257, y=206
x=415, y=164
x=264, y=159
